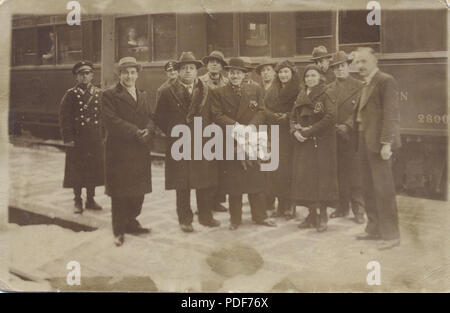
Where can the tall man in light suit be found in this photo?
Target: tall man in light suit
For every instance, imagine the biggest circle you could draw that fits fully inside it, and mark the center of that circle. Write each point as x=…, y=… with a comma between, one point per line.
x=377, y=121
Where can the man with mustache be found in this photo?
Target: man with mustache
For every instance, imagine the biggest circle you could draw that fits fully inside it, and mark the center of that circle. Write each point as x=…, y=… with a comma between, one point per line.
x=376, y=119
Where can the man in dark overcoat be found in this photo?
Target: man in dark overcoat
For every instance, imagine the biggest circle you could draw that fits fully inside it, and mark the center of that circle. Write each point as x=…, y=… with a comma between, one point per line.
x=346, y=91
x=377, y=124
x=322, y=58
x=81, y=131
x=240, y=104
x=180, y=104
x=129, y=128
x=214, y=78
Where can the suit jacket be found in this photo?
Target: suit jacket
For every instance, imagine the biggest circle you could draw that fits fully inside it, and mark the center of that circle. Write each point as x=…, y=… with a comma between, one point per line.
x=176, y=107
x=127, y=160
x=380, y=112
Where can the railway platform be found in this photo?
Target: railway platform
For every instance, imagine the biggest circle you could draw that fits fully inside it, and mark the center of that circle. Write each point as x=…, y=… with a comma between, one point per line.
x=44, y=236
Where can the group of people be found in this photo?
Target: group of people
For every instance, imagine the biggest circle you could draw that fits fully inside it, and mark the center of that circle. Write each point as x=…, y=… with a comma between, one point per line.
x=336, y=137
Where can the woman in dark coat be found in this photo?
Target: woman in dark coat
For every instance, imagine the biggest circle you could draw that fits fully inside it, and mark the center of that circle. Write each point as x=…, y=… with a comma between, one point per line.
x=279, y=101
x=314, y=181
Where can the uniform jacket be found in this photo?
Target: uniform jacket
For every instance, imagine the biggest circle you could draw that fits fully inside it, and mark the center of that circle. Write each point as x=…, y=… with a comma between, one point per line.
x=227, y=108
x=314, y=160
x=127, y=160
x=80, y=122
x=380, y=112
x=176, y=107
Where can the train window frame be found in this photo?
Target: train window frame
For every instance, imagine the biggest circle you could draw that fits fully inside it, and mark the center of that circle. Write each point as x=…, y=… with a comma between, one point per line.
x=332, y=36
x=377, y=46
x=241, y=37
x=150, y=37
x=52, y=23
x=229, y=51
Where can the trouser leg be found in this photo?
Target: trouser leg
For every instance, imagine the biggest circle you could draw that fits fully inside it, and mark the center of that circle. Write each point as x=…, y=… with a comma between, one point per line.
x=90, y=192
x=77, y=193
x=206, y=198
x=384, y=192
x=235, y=204
x=368, y=188
x=270, y=201
x=119, y=206
x=357, y=201
x=135, y=208
x=184, y=211
x=284, y=204
x=257, y=206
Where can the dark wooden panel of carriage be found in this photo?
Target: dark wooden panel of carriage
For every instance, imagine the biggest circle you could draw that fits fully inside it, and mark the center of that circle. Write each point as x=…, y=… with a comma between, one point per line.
x=414, y=30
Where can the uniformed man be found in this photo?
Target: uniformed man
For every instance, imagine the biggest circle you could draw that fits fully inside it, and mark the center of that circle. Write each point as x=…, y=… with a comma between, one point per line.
x=346, y=91
x=129, y=129
x=240, y=104
x=172, y=74
x=81, y=131
x=321, y=58
x=377, y=123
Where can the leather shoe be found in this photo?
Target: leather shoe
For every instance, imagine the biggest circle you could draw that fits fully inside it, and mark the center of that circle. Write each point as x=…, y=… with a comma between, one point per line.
x=118, y=240
x=360, y=219
x=78, y=206
x=211, y=223
x=219, y=208
x=338, y=213
x=267, y=222
x=233, y=226
x=187, y=228
x=92, y=205
x=366, y=236
x=388, y=244
x=138, y=230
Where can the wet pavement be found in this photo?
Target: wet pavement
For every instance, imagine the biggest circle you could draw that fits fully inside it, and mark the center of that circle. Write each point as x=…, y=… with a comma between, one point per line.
x=250, y=259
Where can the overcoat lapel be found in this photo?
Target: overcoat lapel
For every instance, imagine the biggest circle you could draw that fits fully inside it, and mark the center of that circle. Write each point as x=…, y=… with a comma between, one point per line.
x=177, y=92
x=125, y=96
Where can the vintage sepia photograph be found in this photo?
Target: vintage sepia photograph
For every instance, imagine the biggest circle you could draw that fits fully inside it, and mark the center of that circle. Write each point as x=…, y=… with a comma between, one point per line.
x=205, y=146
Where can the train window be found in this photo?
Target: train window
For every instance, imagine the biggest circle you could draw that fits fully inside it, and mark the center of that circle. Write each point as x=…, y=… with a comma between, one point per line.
x=313, y=29
x=47, y=45
x=414, y=31
x=69, y=44
x=164, y=37
x=254, y=34
x=133, y=38
x=219, y=34
x=25, y=47
x=354, y=31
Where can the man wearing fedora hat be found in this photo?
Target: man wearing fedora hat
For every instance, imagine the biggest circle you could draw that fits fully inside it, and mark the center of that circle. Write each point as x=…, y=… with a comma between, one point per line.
x=179, y=103
x=81, y=131
x=172, y=74
x=346, y=91
x=129, y=127
x=215, y=63
x=321, y=58
x=240, y=104
x=266, y=70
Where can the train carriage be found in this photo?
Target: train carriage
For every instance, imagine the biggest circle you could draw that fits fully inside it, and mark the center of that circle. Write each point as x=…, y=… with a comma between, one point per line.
x=411, y=45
